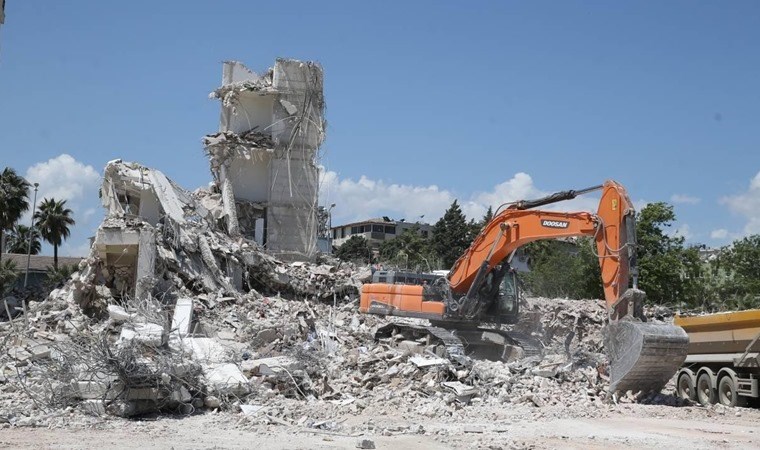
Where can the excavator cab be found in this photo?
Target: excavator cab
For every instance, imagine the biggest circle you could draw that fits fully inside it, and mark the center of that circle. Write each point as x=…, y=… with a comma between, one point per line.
x=496, y=301
x=506, y=306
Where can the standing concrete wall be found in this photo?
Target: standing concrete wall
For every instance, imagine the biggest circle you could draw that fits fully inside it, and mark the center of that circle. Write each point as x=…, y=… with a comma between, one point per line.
x=264, y=158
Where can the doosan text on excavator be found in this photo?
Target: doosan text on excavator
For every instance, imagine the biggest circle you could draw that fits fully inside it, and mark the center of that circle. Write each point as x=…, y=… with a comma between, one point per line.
x=468, y=307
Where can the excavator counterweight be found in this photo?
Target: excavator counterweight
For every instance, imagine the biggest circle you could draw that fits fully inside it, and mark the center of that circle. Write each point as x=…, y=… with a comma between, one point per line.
x=481, y=287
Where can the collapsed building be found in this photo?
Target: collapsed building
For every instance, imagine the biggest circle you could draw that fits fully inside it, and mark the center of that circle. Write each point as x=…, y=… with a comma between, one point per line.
x=263, y=200
x=263, y=158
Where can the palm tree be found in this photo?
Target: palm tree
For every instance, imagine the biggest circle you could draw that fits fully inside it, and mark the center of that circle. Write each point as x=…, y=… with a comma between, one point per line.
x=14, y=200
x=53, y=220
x=18, y=240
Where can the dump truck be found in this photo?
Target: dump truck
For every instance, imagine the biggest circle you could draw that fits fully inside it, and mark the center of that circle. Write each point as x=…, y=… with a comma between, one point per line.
x=722, y=364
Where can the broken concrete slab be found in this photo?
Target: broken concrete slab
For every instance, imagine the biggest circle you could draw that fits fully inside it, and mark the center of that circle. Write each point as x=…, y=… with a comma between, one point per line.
x=428, y=361
x=94, y=407
x=459, y=388
x=251, y=410
x=145, y=333
x=89, y=389
x=270, y=366
x=411, y=347
x=183, y=316
x=118, y=314
x=226, y=378
x=204, y=350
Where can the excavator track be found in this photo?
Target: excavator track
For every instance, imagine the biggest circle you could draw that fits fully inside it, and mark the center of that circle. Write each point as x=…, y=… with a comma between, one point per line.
x=462, y=343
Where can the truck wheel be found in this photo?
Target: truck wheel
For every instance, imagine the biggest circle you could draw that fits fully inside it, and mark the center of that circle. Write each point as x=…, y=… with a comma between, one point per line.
x=727, y=394
x=705, y=390
x=686, y=387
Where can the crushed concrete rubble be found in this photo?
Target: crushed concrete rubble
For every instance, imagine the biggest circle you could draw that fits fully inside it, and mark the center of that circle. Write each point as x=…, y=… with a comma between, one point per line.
x=285, y=362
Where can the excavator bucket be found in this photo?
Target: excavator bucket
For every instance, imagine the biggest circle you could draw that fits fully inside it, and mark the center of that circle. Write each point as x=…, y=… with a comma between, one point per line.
x=643, y=355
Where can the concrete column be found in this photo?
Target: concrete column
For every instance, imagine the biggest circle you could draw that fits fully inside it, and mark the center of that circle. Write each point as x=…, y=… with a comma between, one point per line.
x=146, y=263
x=228, y=200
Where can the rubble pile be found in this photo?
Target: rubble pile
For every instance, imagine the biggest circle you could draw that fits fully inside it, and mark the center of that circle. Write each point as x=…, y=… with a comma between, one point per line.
x=283, y=361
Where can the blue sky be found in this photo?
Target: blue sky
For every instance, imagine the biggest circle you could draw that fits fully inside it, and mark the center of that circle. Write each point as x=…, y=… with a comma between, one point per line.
x=426, y=101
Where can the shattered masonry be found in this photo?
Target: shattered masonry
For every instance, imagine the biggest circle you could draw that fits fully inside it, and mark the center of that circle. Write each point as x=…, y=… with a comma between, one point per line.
x=158, y=238
x=264, y=156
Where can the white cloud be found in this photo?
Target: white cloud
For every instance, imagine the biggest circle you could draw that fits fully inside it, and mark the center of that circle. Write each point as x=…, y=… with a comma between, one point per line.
x=684, y=231
x=720, y=233
x=684, y=199
x=366, y=198
x=747, y=205
x=65, y=178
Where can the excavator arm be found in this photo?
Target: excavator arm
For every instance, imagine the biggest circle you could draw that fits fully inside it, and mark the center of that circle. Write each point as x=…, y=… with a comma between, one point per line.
x=612, y=228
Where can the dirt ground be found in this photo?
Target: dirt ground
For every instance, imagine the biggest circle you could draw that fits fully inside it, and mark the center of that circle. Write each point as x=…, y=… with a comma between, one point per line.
x=620, y=426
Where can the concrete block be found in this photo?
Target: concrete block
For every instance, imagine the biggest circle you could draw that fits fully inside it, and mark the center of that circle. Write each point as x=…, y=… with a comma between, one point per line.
x=226, y=335
x=142, y=394
x=183, y=316
x=264, y=337
x=89, y=389
x=251, y=410
x=205, y=350
x=39, y=352
x=226, y=379
x=21, y=356
x=182, y=395
x=94, y=407
x=145, y=333
x=411, y=347
x=118, y=314
x=423, y=361
x=270, y=366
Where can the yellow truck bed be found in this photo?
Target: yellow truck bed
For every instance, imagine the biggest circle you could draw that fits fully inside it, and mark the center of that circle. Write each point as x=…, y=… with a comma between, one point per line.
x=729, y=332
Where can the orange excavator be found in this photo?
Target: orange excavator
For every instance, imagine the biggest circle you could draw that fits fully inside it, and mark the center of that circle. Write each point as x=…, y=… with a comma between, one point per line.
x=481, y=288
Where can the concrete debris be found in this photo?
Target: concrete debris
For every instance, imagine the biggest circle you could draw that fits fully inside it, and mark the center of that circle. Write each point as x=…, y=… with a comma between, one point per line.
x=226, y=379
x=118, y=314
x=306, y=360
x=150, y=334
x=422, y=361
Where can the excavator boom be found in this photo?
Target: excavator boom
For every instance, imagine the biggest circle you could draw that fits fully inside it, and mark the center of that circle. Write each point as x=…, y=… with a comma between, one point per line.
x=643, y=356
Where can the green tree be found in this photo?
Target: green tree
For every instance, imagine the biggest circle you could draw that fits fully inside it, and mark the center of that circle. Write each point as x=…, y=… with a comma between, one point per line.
x=452, y=234
x=486, y=218
x=409, y=250
x=740, y=262
x=14, y=200
x=18, y=240
x=670, y=273
x=356, y=248
x=54, y=220
x=563, y=269
x=55, y=278
x=8, y=276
